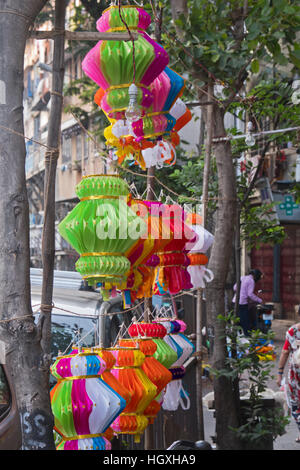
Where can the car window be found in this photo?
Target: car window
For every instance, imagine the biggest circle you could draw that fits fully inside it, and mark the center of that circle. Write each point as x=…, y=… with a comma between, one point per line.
x=69, y=329
x=5, y=396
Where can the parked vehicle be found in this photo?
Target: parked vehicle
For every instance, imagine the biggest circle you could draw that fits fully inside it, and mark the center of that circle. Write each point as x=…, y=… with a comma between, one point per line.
x=75, y=316
x=78, y=313
x=264, y=317
x=10, y=428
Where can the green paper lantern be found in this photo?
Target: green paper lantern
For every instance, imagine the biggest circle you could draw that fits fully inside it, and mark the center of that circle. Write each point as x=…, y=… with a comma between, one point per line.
x=164, y=353
x=102, y=228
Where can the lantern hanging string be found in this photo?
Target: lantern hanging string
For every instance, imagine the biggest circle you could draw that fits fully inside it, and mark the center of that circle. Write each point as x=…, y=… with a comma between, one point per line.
x=106, y=159
x=132, y=40
x=121, y=312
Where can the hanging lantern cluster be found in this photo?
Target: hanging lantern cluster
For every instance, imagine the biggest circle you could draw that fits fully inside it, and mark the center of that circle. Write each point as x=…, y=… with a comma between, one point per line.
x=83, y=404
x=139, y=93
x=139, y=247
x=135, y=246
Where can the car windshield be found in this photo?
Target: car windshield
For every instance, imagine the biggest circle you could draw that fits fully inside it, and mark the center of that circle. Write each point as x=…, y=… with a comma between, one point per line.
x=71, y=329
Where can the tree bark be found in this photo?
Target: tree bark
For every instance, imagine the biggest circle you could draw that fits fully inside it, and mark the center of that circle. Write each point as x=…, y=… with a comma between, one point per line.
x=24, y=354
x=53, y=142
x=226, y=405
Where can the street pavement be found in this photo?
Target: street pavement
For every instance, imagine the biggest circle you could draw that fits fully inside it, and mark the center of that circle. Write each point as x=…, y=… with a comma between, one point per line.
x=287, y=440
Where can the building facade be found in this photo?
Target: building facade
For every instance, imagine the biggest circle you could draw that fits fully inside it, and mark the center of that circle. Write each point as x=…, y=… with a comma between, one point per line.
x=79, y=153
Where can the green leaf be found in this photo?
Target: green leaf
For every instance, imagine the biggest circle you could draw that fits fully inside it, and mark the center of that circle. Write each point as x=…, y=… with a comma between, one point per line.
x=215, y=58
x=255, y=66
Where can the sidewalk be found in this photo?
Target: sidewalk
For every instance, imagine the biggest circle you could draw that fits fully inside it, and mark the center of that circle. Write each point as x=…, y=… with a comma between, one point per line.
x=287, y=441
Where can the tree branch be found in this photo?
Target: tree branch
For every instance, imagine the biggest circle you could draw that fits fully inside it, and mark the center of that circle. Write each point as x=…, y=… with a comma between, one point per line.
x=82, y=35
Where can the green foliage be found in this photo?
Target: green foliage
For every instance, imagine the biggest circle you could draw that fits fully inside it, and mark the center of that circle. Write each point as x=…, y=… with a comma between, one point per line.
x=271, y=105
x=258, y=222
x=226, y=51
x=259, y=227
x=242, y=358
x=217, y=41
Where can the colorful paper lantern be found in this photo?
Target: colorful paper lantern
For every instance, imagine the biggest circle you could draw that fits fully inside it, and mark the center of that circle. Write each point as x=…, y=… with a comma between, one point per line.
x=156, y=123
x=181, y=113
x=199, y=274
x=157, y=373
x=138, y=253
x=157, y=120
x=172, y=275
x=109, y=378
x=102, y=228
x=83, y=405
x=184, y=348
x=128, y=371
x=156, y=331
x=110, y=63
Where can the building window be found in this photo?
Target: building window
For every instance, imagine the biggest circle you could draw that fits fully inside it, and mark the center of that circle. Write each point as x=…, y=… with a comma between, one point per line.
x=79, y=147
x=66, y=153
x=85, y=146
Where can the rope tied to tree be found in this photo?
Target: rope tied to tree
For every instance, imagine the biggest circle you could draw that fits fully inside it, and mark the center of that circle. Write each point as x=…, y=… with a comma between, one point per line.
x=47, y=308
x=51, y=155
x=57, y=93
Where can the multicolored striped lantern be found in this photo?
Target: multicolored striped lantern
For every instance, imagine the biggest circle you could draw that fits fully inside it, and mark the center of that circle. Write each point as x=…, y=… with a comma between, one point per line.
x=109, y=378
x=102, y=228
x=114, y=65
x=83, y=405
x=157, y=120
x=128, y=371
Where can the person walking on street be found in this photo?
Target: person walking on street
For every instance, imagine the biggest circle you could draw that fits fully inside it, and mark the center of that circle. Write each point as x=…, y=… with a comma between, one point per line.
x=291, y=352
x=246, y=296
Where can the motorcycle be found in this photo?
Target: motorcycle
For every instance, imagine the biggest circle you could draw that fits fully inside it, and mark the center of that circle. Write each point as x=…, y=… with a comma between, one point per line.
x=264, y=317
x=189, y=445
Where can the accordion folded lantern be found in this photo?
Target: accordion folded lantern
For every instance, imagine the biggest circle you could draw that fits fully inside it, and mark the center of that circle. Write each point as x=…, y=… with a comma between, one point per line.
x=172, y=275
x=102, y=228
x=83, y=405
x=159, y=234
x=199, y=274
x=156, y=331
x=138, y=253
x=157, y=373
x=157, y=122
x=109, y=378
x=128, y=371
x=110, y=63
x=173, y=396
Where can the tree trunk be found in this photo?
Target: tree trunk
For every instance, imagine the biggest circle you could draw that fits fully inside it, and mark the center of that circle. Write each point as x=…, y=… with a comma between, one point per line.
x=24, y=355
x=53, y=142
x=226, y=405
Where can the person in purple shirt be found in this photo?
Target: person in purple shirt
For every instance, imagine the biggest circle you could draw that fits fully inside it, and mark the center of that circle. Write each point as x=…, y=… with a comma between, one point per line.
x=247, y=296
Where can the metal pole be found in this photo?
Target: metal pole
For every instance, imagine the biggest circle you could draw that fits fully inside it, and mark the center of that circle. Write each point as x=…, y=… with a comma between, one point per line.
x=199, y=310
